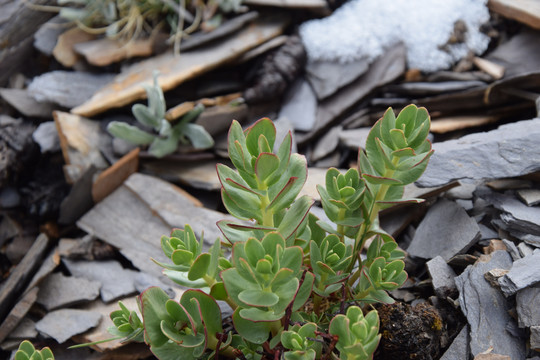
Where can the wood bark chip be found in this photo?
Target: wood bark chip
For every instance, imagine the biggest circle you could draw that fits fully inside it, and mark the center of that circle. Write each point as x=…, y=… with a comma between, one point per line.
x=127, y=86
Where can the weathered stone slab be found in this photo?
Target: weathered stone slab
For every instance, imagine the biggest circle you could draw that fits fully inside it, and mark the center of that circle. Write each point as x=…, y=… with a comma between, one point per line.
x=535, y=337
x=512, y=249
x=528, y=303
x=49, y=264
x=200, y=175
x=442, y=277
x=80, y=141
x=112, y=177
x=20, y=277
x=26, y=104
x=127, y=86
x=62, y=324
x=46, y=37
x=18, y=312
x=446, y=230
x=453, y=123
x=531, y=197
x=326, y=144
x=486, y=308
x=64, y=51
x=46, y=137
x=116, y=282
x=508, y=151
x=327, y=77
x=67, y=88
x=516, y=216
x=58, y=290
x=26, y=329
x=524, y=272
x=105, y=51
x=524, y=249
x=355, y=138
x=383, y=70
x=459, y=349
x=300, y=105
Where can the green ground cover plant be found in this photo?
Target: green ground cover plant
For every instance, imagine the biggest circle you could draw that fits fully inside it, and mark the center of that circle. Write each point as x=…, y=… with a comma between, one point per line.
x=300, y=288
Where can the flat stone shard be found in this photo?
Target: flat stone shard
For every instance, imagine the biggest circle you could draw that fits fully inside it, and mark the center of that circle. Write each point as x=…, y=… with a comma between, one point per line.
x=58, y=291
x=531, y=197
x=535, y=337
x=524, y=272
x=442, y=277
x=511, y=150
x=62, y=324
x=116, y=281
x=446, y=230
x=26, y=104
x=516, y=215
x=128, y=85
x=528, y=303
x=46, y=137
x=300, y=106
x=67, y=88
x=486, y=308
x=459, y=349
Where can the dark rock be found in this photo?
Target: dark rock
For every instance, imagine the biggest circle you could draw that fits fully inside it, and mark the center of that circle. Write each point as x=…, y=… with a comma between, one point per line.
x=328, y=77
x=300, y=106
x=115, y=281
x=62, y=324
x=516, y=215
x=486, y=308
x=79, y=199
x=442, y=277
x=446, y=230
x=524, y=272
x=459, y=349
x=46, y=137
x=66, y=88
x=528, y=303
x=77, y=248
x=58, y=291
x=508, y=151
x=531, y=197
x=9, y=197
x=8, y=229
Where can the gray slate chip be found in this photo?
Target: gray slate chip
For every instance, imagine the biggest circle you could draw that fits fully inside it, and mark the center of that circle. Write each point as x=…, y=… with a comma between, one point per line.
x=67, y=88
x=58, y=291
x=535, y=337
x=116, y=281
x=516, y=215
x=46, y=136
x=531, y=197
x=524, y=272
x=459, y=349
x=327, y=77
x=486, y=309
x=300, y=105
x=528, y=303
x=509, y=151
x=512, y=249
x=62, y=324
x=446, y=230
x=442, y=277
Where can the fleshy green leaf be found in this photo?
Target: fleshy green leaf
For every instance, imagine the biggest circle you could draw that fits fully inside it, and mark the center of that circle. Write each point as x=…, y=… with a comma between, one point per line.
x=129, y=133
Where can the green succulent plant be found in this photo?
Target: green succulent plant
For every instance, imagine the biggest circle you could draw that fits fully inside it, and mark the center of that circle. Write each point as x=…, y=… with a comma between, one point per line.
x=166, y=136
x=27, y=351
x=290, y=276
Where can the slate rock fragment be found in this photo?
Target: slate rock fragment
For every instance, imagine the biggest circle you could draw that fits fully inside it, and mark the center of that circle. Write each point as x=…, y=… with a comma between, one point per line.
x=527, y=305
x=446, y=230
x=459, y=349
x=115, y=281
x=486, y=308
x=300, y=105
x=58, y=290
x=535, y=337
x=46, y=137
x=67, y=88
x=531, y=197
x=516, y=215
x=512, y=249
x=62, y=324
x=509, y=151
x=524, y=272
x=442, y=277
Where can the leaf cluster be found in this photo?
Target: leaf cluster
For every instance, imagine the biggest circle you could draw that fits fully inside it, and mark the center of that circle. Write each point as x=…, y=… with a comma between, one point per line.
x=290, y=276
x=165, y=136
